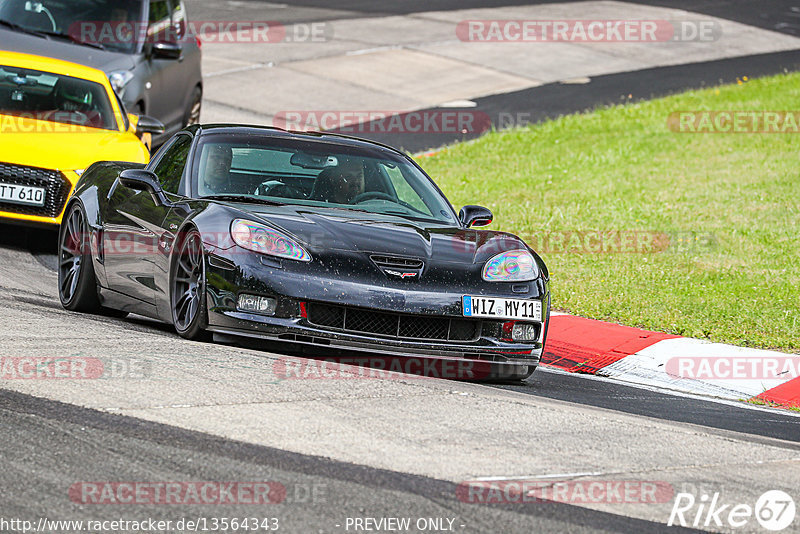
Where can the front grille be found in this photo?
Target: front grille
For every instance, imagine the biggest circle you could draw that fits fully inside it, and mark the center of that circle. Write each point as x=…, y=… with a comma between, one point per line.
x=395, y=325
x=56, y=185
x=396, y=262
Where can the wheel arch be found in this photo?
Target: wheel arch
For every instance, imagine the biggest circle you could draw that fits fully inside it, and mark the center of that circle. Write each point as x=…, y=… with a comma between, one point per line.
x=187, y=228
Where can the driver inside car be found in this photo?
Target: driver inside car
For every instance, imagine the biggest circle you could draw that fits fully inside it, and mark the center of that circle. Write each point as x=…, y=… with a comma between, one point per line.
x=217, y=171
x=341, y=184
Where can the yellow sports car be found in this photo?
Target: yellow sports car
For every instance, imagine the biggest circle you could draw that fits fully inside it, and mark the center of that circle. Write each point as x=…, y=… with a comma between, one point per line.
x=56, y=119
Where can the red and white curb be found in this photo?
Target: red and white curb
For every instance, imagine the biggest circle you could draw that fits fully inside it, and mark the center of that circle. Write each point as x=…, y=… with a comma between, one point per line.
x=665, y=361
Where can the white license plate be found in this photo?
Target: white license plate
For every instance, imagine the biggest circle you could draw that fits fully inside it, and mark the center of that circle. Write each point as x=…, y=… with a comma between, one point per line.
x=500, y=308
x=22, y=194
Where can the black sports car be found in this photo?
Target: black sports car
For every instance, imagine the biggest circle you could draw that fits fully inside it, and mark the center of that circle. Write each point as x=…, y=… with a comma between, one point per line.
x=312, y=241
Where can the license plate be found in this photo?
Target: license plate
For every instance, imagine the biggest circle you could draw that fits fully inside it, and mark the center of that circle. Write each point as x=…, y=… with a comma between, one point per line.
x=500, y=308
x=22, y=194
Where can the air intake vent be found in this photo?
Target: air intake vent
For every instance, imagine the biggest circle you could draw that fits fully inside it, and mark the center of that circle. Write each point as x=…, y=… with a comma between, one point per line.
x=424, y=327
x=395, y=262
x=56, y=185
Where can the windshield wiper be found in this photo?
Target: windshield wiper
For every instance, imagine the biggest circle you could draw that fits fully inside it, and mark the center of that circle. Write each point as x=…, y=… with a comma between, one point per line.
x=23, y=29
x=243, y=198
x=48, y=34
x=72, y=39
x=406, y=215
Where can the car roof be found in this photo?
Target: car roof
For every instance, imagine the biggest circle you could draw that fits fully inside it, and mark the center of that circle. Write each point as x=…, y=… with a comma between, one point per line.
x=47, y=64
x=272, y=131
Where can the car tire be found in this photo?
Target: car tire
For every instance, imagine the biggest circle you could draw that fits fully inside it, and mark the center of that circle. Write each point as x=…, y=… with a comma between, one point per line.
x=187, y=288
x=77, y=285
x=192, y=115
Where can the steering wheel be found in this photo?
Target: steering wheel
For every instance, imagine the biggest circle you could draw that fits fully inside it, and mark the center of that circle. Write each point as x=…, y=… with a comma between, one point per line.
x=81, y=117
x=372, y=195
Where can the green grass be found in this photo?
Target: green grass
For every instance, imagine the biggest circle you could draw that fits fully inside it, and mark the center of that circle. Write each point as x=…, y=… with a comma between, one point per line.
x=734, y=198
x=758, y=402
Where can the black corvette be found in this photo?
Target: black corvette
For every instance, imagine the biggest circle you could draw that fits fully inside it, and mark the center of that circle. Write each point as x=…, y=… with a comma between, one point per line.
x=320, y=243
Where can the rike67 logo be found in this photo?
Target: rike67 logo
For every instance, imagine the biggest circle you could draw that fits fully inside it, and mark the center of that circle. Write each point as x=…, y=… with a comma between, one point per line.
x=774, y=511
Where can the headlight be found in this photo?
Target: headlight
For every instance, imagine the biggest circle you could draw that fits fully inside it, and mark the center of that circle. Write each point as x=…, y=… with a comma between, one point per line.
x=119, y=79
x=511, y=266
x=265, y=240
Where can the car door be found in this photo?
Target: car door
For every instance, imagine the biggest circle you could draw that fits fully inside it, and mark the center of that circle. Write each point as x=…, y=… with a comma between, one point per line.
x=171, y=172
x=182, y=74
x=133, y=229
x=130, y=237
x=162, y=101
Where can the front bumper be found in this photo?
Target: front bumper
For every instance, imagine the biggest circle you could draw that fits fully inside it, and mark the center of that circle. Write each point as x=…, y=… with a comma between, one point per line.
x=453, y=361
x=487, y=354
x=57, y=190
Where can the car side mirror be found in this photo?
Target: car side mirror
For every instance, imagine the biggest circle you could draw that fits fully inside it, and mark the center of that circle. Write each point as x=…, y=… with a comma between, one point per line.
x=166, y=50
x=146, y=124
x=144, y=127
x=475, y=216
x=144, y=180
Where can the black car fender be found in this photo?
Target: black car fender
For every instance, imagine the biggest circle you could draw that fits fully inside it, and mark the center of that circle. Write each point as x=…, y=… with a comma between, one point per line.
x=212, y=221
x=92, y=192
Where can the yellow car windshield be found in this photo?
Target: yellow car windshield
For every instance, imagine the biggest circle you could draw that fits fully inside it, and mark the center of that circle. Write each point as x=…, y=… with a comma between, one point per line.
x=55, y=98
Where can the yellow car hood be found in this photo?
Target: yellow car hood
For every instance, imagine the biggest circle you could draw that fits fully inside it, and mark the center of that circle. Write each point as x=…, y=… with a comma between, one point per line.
x=63, y=147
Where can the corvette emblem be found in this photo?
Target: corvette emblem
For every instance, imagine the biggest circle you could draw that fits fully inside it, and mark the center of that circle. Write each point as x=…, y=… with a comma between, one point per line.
x=399, y=274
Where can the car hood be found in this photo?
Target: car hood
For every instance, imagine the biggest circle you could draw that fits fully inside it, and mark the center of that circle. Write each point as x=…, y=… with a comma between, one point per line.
x=104, y=60
x=331, y=229
x=50, y=148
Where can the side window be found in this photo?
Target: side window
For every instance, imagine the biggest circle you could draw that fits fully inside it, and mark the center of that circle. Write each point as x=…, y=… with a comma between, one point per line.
x=158, y=23
x=170, y=168
x=125, y=120
x=178, y=18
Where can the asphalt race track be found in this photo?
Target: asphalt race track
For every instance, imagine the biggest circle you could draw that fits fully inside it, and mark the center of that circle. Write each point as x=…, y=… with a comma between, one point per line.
x=349, y=449
x=320, y=493
x=774, y=15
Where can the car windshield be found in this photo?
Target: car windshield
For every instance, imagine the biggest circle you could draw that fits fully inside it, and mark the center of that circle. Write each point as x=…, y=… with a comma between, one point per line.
x=316, y=174
x=114, y=25
x=55, y=98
